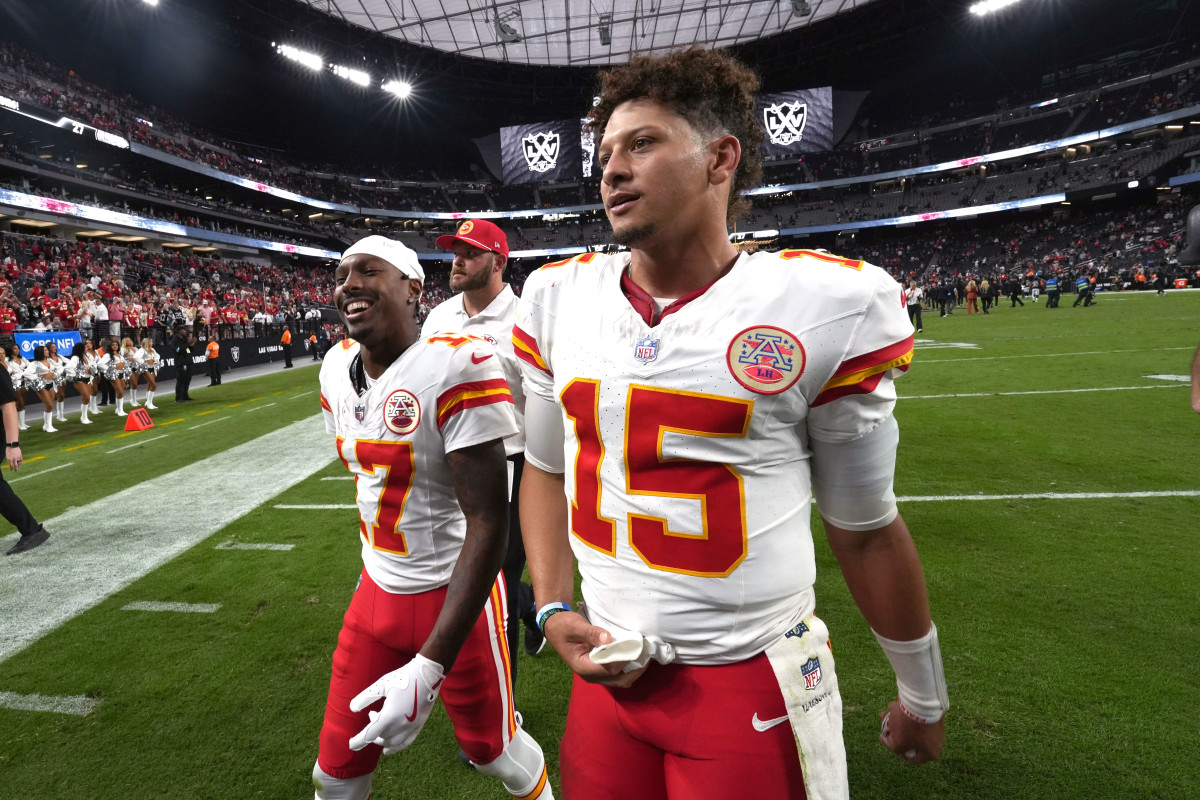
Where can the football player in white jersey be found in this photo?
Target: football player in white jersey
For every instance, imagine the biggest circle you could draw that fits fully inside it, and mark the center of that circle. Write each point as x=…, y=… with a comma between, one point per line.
x=420, y=423
x=485, y=306
x=685, y=405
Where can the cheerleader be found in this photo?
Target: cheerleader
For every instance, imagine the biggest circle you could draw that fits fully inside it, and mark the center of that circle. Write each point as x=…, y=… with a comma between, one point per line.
x=116, y=370
x=132, y=368
x=40, y=377
x=148, y=361
x=91, y=360
x=16, y=370
x=60, y=381
x=79, y=374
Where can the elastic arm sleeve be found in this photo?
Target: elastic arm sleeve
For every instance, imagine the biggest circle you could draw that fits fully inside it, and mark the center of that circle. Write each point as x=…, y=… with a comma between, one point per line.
x=544, y=434
x=852, y=481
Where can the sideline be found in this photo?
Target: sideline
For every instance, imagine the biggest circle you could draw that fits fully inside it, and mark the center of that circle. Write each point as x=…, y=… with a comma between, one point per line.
x=941, y=498
x=98, y=549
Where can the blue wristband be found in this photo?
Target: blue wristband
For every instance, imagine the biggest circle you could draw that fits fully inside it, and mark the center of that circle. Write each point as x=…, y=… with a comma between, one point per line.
x=549, y=610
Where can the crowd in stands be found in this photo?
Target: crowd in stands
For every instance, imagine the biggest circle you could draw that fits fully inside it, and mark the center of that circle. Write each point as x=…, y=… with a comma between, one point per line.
x=54, y=284
x=907, y=142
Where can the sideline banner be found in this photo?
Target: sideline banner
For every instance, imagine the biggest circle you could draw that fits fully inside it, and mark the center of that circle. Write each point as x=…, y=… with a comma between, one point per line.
x=31, y=339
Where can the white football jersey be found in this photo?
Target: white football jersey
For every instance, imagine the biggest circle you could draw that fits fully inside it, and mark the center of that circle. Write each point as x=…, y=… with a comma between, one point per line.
x=493, y=325
x=443, y=394
x=686, y=443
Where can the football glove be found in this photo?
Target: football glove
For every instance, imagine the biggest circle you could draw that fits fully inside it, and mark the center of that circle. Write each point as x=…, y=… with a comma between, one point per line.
x=408, y=696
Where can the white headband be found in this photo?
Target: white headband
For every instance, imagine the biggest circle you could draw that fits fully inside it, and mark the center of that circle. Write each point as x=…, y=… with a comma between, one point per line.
x=391, y=251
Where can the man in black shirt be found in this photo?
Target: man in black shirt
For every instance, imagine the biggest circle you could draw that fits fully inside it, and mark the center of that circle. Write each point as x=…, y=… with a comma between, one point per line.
x=11, y=507
x=183, y=364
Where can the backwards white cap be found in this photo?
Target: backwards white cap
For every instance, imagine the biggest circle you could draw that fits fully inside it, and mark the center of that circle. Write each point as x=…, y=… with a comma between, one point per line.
x=391, y=251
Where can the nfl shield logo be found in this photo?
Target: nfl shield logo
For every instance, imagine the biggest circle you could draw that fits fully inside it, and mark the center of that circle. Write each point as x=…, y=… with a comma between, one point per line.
x=541, y=151
x=646, y=350
x=785, y=122
x=360, y=413
x=797, y=631
x=812, y=673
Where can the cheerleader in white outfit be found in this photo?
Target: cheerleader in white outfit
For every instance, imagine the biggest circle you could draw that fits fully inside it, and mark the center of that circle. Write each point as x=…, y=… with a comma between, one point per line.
x=129, y=352
x=60, y=381
x=148, y=361
x=79, y=374
x=116, y=370
x=92, y=359
x=17, y=365
x=40, y=377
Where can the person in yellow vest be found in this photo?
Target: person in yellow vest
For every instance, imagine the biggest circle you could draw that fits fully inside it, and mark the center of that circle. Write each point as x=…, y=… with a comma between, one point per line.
x=214, y=360
x=286, y=341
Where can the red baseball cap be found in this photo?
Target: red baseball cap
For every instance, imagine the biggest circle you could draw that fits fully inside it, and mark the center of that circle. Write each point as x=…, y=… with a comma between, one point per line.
x=477, y=233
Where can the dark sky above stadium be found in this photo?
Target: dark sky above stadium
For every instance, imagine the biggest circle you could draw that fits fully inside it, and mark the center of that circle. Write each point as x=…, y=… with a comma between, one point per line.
x=211, y=61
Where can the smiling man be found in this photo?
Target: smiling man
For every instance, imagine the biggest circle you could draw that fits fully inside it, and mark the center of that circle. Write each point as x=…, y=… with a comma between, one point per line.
x=485, y=306
x=685, y=404
x=420, y=424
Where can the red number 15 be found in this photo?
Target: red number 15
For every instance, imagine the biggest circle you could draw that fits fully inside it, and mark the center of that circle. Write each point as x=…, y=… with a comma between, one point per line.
x=650, y=413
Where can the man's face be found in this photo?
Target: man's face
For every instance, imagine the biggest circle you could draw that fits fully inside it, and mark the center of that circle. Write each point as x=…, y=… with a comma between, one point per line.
x=372, y=298
x=472, y=268
x=654, y=175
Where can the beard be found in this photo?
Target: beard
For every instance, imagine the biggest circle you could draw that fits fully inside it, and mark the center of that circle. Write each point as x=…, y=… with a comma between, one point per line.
x=633, y=234
x=466, y=282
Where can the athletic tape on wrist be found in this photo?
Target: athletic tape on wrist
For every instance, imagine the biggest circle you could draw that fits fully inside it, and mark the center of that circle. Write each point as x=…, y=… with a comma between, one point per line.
x=549, y=610
x=920, y=679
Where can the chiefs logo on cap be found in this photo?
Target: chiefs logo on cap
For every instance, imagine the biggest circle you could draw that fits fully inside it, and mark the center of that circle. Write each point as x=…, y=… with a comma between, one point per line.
x=466, y=227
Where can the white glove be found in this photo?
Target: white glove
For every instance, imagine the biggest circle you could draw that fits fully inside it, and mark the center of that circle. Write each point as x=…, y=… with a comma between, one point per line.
x=409, y=694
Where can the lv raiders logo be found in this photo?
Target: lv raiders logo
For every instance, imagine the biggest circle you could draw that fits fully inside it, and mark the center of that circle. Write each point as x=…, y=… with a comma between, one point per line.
x=541, y=151
x=785, y=122
x=236, y=352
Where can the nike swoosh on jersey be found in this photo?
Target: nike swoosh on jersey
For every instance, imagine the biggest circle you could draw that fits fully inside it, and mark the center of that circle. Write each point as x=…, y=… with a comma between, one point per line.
x=477, y=360
x=763, y=725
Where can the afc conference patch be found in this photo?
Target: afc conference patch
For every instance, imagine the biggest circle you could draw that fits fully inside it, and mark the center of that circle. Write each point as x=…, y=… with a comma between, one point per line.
x=401, y=412
x=812, y=673
x=765, y=359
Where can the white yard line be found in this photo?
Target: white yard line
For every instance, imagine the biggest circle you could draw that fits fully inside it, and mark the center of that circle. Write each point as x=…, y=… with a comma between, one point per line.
x=256, y=408
x=98, y=549
x=42, y=472
x=338, y=478
x=333, y=507
x=253, y=546
x=187, y=608
x=135, y=444
x=925, y=361
x=942, y=498
x=1040, y=391
x=78, y=706
x=210, y=422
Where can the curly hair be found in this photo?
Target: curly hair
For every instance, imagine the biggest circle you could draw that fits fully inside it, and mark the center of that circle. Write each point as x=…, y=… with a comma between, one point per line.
x=713, y=91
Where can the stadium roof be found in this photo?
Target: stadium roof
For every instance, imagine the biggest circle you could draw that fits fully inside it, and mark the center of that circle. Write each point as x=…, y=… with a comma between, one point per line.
x=578, y=32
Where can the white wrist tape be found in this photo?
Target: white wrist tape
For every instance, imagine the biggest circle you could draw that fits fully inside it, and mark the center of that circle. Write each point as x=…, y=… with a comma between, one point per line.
x=919, y=675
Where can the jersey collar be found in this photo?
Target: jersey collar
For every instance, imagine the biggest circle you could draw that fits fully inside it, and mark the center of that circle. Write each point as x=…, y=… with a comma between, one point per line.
x=644, y=304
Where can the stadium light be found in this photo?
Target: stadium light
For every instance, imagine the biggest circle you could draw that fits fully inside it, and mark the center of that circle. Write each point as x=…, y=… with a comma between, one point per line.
x=352, y=75
x=401, y=89
x=150, y=2
x=984, y=7
x=310, y=60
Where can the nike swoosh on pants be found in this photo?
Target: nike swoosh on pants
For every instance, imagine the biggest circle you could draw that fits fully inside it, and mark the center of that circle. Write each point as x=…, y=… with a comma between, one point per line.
x=763, y=725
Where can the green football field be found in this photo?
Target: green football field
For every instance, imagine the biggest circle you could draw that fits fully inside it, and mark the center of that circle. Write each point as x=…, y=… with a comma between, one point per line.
x=1048, y=470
